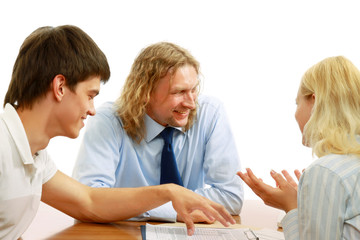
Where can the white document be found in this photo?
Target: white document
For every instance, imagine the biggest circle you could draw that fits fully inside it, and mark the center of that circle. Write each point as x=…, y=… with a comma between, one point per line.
x=268, y=234
x=158, y=232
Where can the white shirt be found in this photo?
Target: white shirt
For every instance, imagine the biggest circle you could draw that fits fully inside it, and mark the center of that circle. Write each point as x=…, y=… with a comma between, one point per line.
x=21, y=176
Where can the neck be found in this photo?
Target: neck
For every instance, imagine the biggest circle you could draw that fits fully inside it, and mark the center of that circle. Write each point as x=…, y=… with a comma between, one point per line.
x=36, y=122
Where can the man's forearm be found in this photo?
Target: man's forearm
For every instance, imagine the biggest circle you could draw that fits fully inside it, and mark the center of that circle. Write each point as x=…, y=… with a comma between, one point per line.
x=115, y=204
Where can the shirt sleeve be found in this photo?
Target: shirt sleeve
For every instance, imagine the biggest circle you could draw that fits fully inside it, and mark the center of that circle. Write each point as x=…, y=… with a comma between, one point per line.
x=49, y=167
x=321, y=207
x=221, y=161
x=163, y=213
x=100, y=141
x=290, y=225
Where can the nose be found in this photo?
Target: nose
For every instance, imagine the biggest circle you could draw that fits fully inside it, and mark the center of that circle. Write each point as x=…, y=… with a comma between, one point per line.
x=92, y=110
x=190, y=100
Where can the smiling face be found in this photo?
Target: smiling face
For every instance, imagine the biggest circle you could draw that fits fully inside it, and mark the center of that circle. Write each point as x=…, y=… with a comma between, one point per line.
x=174, y=97
x=77, y=105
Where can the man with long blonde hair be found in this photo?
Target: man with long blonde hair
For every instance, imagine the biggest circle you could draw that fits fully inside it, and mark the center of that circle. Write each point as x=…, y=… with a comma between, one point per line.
x=55, y=78
x=123, y=145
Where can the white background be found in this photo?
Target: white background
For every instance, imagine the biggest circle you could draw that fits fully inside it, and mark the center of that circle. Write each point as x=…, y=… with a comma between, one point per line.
x=252, y=55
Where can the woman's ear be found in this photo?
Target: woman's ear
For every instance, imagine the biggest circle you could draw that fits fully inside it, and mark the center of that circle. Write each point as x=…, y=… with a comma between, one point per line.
x=313, y=98
x=58, y=87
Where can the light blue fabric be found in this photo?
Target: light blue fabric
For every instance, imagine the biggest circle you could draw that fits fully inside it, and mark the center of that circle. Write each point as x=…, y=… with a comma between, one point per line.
x=328, y=201
x=206, y=156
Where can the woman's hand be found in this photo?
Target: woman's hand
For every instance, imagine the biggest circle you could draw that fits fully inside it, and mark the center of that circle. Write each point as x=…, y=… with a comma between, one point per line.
x=283, y=197
x=290, y=180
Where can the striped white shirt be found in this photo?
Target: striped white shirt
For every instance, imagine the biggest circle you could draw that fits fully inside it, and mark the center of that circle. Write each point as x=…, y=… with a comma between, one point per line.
x=328, y=201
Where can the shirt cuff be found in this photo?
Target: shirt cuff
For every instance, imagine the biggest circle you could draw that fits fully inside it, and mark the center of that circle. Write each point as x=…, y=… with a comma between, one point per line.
x=164, y=213
x=290, y=224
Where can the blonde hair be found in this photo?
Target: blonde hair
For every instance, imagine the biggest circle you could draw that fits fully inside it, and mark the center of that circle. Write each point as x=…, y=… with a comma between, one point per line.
x=152, y=64
x=335, y=118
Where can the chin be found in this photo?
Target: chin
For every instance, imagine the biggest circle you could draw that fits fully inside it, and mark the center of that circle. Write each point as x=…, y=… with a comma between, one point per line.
x=73, y=135
x=179, y=124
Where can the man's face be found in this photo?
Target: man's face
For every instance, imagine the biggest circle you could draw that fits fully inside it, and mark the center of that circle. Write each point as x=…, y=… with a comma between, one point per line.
x=172, y=101
x=77, y=105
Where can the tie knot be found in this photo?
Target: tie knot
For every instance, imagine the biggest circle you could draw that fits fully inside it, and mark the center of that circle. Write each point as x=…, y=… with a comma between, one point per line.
x=167, y=134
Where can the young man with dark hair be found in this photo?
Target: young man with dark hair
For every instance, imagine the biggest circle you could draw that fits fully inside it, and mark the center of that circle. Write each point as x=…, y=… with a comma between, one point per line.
x=55, y=78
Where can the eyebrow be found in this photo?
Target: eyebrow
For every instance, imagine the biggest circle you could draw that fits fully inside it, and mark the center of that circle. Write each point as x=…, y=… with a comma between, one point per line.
x=94, y=91
x=180, y=88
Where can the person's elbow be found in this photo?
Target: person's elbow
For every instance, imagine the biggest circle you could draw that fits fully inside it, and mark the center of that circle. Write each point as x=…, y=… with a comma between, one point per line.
x=235, y=203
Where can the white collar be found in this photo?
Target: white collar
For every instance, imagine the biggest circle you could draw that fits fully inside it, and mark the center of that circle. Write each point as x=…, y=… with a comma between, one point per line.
x=17, y=131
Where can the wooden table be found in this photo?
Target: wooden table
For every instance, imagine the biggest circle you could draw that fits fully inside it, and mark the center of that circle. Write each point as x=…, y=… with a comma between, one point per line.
x=52, y=224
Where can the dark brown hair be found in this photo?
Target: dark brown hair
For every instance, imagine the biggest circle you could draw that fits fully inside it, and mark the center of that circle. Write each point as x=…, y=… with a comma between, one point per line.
x=47, y=52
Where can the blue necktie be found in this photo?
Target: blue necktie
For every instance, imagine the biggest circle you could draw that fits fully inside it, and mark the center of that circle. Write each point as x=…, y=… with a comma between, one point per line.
x=169, y=170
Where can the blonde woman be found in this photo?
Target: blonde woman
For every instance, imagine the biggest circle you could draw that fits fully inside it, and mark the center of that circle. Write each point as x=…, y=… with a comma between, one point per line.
x=325, y=204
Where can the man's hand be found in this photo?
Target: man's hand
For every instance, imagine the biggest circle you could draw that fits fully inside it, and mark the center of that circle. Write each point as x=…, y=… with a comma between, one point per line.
x=284, y=196
x=197, y=216
x=186, y=202
x=114, y=204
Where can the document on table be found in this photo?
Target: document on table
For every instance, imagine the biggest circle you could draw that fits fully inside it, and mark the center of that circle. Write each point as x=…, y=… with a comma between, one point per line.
x=158, y=232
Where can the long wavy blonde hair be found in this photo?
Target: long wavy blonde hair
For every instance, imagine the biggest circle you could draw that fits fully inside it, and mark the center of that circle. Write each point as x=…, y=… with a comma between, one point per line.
x=335, y=118
x=152, y=64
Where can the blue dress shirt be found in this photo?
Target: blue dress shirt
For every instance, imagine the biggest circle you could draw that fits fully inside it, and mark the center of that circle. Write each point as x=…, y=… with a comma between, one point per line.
x=206, y=156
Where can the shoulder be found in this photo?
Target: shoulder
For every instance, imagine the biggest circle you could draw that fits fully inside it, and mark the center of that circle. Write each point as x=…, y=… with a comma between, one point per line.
x=106, y=109
x=5, y=137
x=341, y=166
x=206, y=100
x=105, y=123
x=210, y=113
x=2, y=127
x=5, y=151
x=106, y=112
x=209, y=105
x=46, y=165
